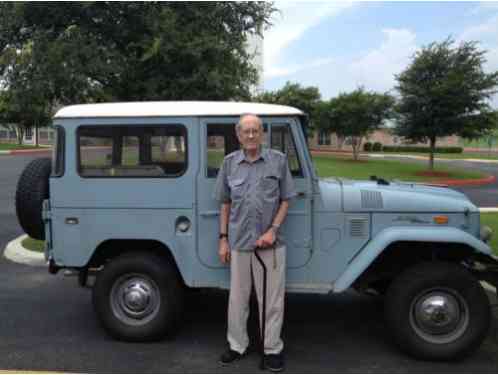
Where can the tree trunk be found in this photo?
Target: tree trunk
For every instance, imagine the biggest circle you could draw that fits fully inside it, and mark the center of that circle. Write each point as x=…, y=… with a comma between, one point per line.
x=36, y=134
x=340, y=142
x=432, y=150
x=356, y=142
x=20, y=134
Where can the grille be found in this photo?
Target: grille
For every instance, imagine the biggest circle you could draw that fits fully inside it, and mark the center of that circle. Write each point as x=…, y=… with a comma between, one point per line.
x=358, y=227
x=371, y=199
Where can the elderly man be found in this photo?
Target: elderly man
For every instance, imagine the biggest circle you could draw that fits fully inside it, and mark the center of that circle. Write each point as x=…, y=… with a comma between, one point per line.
x=254, y=186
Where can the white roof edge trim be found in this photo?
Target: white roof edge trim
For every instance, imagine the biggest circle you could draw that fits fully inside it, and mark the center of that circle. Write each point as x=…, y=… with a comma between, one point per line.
x=180, y=109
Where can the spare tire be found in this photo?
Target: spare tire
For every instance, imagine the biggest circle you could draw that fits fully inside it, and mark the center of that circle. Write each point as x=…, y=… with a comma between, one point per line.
x=32, y=190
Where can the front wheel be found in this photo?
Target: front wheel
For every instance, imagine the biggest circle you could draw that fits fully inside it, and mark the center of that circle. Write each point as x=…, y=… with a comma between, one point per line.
x=437, y=311
x=137, y=297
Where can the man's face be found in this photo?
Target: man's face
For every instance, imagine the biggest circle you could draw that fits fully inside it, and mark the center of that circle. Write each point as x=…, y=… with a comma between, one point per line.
x=250, y=134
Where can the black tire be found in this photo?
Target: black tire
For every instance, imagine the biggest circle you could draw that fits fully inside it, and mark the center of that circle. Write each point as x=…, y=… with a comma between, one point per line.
x=32, y=189
x=427, y=331
x=138, y=273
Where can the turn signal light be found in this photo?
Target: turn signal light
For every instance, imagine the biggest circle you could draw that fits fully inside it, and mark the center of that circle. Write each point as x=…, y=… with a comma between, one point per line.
x=441, y=219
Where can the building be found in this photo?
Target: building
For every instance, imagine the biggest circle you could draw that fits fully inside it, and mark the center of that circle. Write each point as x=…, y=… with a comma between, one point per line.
x=327, y=141
x=44, y=136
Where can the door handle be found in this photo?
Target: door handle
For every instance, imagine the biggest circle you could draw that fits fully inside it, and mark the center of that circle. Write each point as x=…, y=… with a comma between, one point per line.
x=301, y=194
x=71, y=220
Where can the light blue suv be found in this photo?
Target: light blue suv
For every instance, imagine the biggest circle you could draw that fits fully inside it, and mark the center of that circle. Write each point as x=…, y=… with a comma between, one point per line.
x=128, y=196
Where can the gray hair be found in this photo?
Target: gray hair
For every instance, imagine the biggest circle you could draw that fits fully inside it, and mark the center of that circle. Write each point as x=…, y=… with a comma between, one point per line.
x=238, y=125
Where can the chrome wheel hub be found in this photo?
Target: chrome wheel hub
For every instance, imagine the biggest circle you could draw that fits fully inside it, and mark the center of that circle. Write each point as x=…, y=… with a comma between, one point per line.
x=439, y=316
x=135, y=299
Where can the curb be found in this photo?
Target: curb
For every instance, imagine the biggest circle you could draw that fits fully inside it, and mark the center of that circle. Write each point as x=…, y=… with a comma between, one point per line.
x=418, y=157
x=25, y=152
x=475, y=182
x=16, y=253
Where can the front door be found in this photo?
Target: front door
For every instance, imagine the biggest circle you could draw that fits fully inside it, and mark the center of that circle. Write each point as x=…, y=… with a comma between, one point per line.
x=219, y=139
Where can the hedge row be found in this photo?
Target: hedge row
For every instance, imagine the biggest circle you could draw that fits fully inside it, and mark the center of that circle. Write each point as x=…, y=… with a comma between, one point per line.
x=368, y=146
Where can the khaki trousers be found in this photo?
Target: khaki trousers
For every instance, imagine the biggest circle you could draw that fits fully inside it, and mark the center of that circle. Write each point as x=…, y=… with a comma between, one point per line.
x=242, y=266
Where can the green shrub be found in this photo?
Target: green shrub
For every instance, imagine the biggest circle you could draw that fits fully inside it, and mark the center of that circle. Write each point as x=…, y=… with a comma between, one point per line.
x=377, y=146
x=424, y=149
x=367, y=146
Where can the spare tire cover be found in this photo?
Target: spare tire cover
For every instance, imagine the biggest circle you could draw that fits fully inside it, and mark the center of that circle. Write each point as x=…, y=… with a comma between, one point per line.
x=32, y=190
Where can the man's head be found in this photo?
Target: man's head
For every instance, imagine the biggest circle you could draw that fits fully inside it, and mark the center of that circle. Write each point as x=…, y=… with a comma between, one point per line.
x=249, y=131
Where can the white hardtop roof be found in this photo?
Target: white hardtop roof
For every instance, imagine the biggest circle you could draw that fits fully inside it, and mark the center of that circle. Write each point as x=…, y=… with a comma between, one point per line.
x=175, y=109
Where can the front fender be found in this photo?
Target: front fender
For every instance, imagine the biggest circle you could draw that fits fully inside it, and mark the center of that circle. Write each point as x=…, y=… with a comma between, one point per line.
x=377, y=245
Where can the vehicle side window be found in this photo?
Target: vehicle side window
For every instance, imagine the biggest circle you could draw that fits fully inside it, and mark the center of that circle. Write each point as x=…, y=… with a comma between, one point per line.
x=58, y=153
x=221, y=141
x=132, y=151
x=283, y=141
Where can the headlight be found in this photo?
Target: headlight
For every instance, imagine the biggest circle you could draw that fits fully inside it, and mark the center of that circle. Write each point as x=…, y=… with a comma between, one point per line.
x=486, y=233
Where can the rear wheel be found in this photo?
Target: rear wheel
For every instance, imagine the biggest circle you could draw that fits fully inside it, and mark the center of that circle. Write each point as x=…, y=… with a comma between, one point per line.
x=437, y=311
x=138, y=297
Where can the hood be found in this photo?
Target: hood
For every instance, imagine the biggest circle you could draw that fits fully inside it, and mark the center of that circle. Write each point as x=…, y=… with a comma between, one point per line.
x=361, y=196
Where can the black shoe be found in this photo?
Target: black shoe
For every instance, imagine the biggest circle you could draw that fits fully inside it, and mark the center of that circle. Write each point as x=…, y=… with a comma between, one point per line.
x=230, y=356
x=274, y=362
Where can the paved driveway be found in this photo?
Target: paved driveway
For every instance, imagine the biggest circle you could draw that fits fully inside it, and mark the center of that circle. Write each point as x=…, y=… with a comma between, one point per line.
x=47, y=323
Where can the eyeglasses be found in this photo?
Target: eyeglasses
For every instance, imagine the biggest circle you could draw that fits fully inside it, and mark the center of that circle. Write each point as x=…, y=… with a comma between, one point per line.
x=248, y=132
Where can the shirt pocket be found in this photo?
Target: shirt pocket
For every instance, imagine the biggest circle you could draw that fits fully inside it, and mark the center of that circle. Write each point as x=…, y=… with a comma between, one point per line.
x=270, y=185
x=236, y=188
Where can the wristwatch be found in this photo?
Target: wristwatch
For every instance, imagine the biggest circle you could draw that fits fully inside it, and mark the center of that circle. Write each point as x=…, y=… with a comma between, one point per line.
x=223, y=235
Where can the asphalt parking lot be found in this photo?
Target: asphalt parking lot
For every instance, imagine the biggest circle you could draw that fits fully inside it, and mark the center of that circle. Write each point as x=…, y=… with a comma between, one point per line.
x=47, y=324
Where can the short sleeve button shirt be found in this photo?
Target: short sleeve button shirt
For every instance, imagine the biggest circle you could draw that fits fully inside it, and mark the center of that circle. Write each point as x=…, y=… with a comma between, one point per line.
x=255, y=190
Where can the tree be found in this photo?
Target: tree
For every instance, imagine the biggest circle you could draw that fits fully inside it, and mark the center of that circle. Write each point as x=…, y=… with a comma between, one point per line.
x=443, y=92
x=94, y=51
x=355, y=115
x=24, y=103
x=293, y=94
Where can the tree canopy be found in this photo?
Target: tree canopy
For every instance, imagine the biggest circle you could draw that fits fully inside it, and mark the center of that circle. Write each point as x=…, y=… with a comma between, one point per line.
x=355, y=115
x=126, y=51
x=293, y=94
x=445, y=91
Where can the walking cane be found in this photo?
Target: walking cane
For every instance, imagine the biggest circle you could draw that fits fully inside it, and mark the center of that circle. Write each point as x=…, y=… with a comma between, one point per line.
x=263, y=324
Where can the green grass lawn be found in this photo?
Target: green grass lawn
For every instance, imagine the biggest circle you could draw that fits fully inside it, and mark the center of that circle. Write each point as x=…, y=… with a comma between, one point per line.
x=15, y=146
x=491, y=219
x=332, y=166
x=33, y=245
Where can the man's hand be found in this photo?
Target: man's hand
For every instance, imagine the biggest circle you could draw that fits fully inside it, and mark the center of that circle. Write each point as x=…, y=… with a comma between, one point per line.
x=224, y=250
x=267, y=239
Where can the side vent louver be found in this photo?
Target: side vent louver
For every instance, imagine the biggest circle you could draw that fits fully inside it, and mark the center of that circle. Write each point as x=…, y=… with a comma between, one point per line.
x=371, y=199
x=358, y=227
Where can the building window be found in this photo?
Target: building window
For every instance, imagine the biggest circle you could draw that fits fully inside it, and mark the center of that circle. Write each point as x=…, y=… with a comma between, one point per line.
x=4, y=134
x=324, y=138
x=29, y=134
